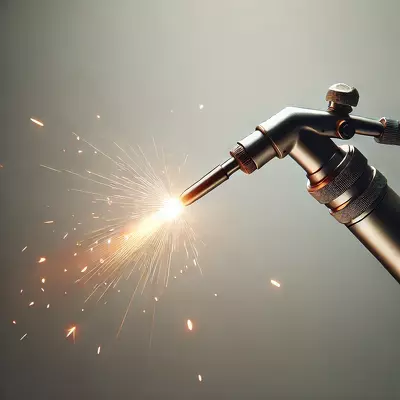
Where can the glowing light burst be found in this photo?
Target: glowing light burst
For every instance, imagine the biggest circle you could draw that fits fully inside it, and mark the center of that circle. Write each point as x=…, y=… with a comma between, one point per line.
x=144, y=235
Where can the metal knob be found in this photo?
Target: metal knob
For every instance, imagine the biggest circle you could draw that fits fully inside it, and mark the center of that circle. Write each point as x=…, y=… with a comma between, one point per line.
x=343, y=94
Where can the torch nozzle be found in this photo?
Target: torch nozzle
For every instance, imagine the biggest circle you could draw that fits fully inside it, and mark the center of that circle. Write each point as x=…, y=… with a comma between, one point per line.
x=214, y=178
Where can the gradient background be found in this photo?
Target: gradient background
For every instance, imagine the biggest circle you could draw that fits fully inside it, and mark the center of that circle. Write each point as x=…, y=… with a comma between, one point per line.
x=332, y=330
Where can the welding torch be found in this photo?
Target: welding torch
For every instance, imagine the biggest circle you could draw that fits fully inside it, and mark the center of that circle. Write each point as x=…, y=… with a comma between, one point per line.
x=356, y=194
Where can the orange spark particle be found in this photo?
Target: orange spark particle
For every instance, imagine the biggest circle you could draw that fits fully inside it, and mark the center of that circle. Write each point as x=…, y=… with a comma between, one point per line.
x=42, y=260
x=98, y=350
x=24, y=249
x=200, y=378
x=31, y=303
x=275, y=283
x=37, y=122
x=71, y=331
x=43, y=280
x=14, y=322
x=48, y=222
x=23, y=337
x=190, y=325
x=84, y=269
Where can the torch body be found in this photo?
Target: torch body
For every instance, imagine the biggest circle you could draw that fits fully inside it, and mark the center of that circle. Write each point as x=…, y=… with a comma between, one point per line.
x=339, y=177
x=379, y=232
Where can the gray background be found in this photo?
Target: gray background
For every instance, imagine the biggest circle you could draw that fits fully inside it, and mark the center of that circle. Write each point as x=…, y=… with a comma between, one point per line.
x=332, y=330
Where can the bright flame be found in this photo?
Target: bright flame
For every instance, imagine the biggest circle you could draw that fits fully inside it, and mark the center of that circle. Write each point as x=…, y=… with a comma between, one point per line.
x=171, y=209
x=190, y=325
x=275, y=283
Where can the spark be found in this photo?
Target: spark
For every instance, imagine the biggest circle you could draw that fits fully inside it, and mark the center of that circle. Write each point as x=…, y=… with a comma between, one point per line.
x=48, y=222
x=65, y=293
x=84, y=269
x=144, y=311
x=43, y=280
x=65, y=236
x=83, y=309
x=42, y=260
x=75, y=254
x=31, y=303
x=23, y=337
x=201, y=106
x=215, y=294
x=42, y=289
x=190, y=325
x=71, y=331
x=24, y=249
x=200, y=378
x=275, y=283
x=98, y=350
x=48, y=306
x=156, y=298
x=37, y=122
x=65, y=269
x=50, y=168
x=14, y=322
x=22, y=291
x=109, y=241
x=80, y=151
x=98, y=116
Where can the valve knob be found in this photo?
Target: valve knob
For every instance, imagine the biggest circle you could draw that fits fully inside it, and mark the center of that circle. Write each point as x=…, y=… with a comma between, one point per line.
x=343, y=94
